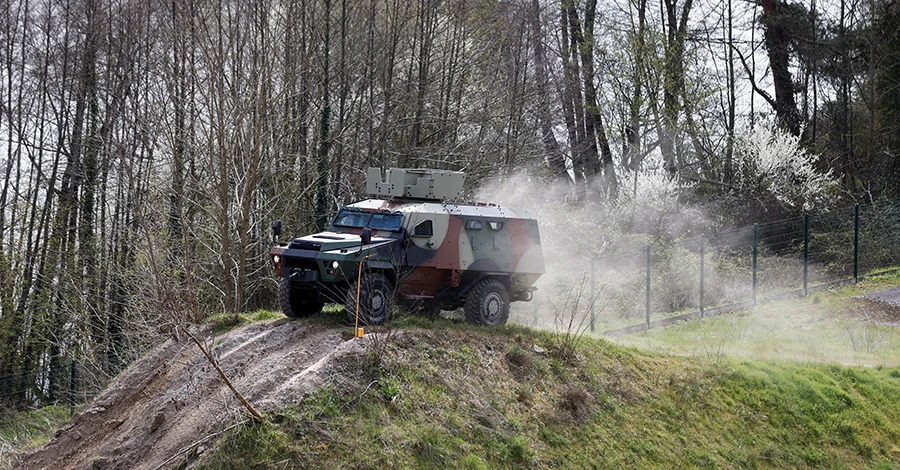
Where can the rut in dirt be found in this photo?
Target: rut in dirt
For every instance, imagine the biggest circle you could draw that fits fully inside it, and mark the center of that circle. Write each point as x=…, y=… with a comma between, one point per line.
x=171, y=405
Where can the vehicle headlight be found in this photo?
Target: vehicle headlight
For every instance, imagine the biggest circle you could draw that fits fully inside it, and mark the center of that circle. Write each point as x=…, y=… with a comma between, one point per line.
x=276, y=259
x=335, y=264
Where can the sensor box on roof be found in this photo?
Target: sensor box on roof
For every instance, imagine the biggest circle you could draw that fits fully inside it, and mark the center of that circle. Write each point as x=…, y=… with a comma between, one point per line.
x=418, y=183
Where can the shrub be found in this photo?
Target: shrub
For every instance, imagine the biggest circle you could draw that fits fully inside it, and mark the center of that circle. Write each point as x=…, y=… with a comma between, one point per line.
x=774, y=170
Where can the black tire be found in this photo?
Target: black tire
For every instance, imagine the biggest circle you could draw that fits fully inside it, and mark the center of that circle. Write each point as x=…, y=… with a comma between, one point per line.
x=376, y=300
x=487, y=304
x=295, y=303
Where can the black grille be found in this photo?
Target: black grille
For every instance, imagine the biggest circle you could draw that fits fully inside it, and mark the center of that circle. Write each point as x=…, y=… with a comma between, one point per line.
x=305, y=245
x=302, y=263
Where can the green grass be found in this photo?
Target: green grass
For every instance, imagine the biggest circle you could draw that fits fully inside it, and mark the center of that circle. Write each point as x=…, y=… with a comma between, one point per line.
x=331, y=314
x=539, y=313
x=769, y=391
x=24, y=430
x=222, y=322
x=769, y=387
x=449, y=397
x=827, y=326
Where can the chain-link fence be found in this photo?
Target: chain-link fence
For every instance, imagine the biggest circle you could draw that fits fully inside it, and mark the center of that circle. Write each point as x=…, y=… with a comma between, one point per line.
x=716, y=272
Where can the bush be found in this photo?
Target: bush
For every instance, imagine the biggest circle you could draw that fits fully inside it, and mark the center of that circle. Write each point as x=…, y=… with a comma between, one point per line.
x=774, y=170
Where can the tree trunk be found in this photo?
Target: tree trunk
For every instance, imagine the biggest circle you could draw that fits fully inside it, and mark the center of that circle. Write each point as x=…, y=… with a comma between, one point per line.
x=728, y=171
x=323, y=165
x=180, y=131
x=776, y=40
x=573, y=108
x=673, y=83
x=632, y=142
x=555, y=161
x=594, y=129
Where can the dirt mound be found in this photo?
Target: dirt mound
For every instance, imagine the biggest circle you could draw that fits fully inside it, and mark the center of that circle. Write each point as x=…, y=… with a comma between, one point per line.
x=882, y=307
x=170, y=404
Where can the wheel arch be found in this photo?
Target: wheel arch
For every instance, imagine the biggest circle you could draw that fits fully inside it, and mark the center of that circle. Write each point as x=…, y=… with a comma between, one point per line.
x=385, y=268
x=469, y=284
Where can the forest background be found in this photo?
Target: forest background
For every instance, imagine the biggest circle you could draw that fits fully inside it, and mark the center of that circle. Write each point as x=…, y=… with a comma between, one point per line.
x=146, y=146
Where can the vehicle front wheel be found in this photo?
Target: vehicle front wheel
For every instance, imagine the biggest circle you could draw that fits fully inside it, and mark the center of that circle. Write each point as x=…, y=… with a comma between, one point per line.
x=376, y=300
x=296, y=303
x=487, y=303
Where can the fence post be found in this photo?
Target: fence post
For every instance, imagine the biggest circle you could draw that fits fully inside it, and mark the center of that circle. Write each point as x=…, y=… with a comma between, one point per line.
x=702, y=247
x=755, y=252
x=593, y=294
x=805, y=253
x=73, y=387
x=856, y=243
x=648, y=288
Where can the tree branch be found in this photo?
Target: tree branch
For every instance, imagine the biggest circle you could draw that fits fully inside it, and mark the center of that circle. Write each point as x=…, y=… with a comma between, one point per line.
x=250, y=409
x=756, y=88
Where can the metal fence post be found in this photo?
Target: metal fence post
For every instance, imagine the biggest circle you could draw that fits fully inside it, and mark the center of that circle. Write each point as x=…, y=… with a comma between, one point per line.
x=805, y=253
x=856, y=243
x=73, y=387
x=755, y=252
x=702, y=247
x=648, y=288
x=593, y=294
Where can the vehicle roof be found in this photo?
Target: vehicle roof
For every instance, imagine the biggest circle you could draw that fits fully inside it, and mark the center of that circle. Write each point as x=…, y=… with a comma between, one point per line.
x=458, y=209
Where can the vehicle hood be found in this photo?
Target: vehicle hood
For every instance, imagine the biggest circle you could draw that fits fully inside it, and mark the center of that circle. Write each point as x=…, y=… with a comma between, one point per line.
x=331, y=241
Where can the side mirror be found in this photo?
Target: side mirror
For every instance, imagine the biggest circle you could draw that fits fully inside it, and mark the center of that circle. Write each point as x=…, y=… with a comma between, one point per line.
x=276, y=231
x=366, y=236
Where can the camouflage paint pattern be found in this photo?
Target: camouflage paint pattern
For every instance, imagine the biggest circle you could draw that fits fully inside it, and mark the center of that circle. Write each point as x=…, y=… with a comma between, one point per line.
x=467, y=242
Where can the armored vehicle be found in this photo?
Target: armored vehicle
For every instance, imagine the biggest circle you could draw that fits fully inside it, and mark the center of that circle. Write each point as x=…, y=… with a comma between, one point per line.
x=412, y=247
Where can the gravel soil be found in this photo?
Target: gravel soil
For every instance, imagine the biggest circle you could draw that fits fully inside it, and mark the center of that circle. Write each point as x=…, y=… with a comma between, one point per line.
x=889, y=296
x=882, y=307
x=168, y=407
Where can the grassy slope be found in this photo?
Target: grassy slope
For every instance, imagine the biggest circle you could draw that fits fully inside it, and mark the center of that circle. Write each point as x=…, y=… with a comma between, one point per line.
x=830, y=326
x=454, y=397
x=24, y=430
x=448, y=395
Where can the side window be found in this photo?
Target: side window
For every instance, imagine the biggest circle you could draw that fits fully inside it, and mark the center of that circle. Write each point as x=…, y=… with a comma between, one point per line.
x=424, y=228
x=474, y=224
x=495, y=225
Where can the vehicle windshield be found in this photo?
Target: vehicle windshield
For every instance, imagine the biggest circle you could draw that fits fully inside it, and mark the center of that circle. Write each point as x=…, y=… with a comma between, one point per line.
x=374, y=220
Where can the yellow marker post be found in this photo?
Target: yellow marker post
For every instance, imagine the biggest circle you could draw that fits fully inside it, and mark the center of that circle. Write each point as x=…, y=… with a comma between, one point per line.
x=358, y=332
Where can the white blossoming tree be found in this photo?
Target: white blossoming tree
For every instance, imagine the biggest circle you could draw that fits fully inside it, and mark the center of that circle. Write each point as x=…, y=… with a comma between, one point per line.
x=773, y=167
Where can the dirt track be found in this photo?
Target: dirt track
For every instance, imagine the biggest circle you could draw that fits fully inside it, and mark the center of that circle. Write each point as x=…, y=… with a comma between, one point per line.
x=164, y=407
x=889, y=296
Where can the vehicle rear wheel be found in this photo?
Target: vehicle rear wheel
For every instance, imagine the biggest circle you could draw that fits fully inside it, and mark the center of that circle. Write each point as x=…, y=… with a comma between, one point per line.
x=376, y=300
x=296, y=303
x=487, y=303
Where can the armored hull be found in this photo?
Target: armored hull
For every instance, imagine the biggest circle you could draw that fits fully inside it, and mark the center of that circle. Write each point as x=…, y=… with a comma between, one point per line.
x=420, y=252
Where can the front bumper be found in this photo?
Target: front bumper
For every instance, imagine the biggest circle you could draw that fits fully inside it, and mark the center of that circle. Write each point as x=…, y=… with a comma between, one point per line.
x=301, y=276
